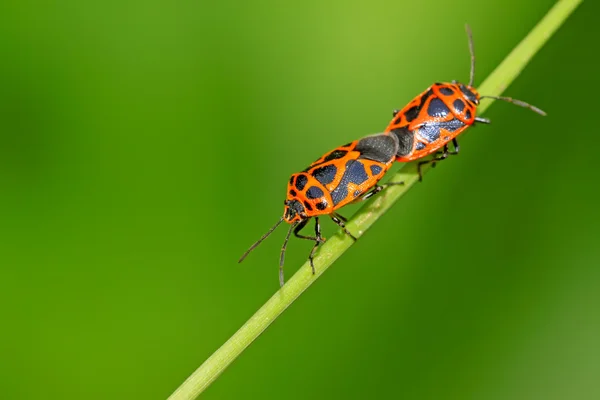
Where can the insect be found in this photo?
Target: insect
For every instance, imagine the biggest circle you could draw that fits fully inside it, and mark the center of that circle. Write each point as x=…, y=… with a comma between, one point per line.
x=344, y=175
x=438, y=115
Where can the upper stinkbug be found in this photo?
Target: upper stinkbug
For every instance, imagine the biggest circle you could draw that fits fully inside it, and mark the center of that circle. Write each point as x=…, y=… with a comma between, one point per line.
x=346, y=174
x=438, y=115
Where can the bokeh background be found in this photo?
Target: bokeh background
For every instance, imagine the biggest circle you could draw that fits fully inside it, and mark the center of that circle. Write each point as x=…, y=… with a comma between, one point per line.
x=144, y=145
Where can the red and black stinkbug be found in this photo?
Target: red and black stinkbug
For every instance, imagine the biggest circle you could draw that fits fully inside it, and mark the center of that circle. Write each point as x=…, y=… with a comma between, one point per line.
x=344, y=175
x=438, y=115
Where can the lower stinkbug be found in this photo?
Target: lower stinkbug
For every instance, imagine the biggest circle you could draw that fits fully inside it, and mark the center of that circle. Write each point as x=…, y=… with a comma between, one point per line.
x=344, y=175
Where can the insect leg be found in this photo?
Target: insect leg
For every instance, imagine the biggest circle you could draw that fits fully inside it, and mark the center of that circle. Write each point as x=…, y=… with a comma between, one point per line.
x=338, y=219
x=318, y=239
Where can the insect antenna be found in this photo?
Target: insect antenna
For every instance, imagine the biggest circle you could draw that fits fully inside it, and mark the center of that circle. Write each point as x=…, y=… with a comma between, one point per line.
x=472, y=51
x=519, y=103
x=261, y=239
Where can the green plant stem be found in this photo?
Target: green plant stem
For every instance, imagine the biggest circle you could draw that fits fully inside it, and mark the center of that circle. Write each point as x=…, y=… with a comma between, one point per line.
x=502, y=76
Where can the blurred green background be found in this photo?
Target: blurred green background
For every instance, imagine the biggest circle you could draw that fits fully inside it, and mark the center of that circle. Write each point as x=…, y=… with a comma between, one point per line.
x=146, y=144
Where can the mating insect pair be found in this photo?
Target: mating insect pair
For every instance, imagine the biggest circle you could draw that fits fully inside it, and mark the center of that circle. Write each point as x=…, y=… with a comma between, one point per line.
x=350, y=173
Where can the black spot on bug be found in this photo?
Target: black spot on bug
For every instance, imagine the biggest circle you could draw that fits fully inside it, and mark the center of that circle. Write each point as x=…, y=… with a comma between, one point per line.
x=325, y=174
x=292, y=180
x=354, y=173
x=301, y=181
x=411, y=113
x=446, y=91
x=293, y=193
x=405, y=141
x=453, y=125
x=321, y=206
x=308, y=206
x=459, y=106
x=339, y=194
x=430, y=132
x=376, y=170
x=469, y=95
x=468, y=114
x=314, y=192
x=381, y=148
x=425, y=97
x=356, y=193
x=334, y=155
x=437, y=108
x=419, y=146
